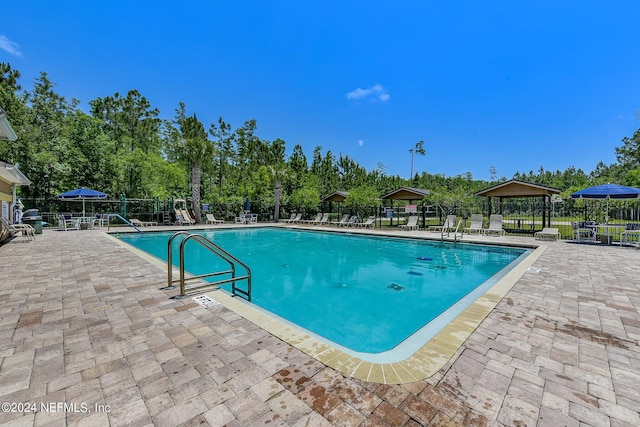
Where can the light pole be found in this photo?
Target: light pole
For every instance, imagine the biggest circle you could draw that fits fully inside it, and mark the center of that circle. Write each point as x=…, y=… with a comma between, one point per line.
x=419, y=149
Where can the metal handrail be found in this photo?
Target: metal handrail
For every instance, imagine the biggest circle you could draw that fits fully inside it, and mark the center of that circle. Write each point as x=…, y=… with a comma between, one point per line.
x=217, y=250
x=455, y=232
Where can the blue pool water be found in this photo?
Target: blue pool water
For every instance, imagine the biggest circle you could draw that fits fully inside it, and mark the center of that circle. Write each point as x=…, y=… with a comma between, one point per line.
x=365, y=293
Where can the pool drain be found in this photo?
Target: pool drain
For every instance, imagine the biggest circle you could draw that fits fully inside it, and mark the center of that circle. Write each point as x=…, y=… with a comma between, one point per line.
x=395, y=287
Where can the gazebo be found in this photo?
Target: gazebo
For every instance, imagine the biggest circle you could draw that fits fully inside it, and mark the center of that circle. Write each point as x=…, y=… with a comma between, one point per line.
x=521, y=189
x=408, y=194
x=336, y=196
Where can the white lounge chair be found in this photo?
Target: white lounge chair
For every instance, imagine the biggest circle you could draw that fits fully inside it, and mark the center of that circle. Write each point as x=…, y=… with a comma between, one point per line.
x=412, y=223
x=495, y=225
x=476, y=225
x=212, y=219
x=187, y=216
x=180, y=219
x=294, y=218
x=324, y=219
x=312, y=221
x=547, y=233
x=291, y=218
x=22, y=231
x=343, y=220
x=350, y=222
x=136, y=222
x=368, y=223
x=449, y=224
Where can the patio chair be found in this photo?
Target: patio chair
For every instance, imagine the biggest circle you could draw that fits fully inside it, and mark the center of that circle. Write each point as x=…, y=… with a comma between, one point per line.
x=314, y=220
x=631, y=235
x=136, y=222
x=449, y=223
x=66, y=224
x=101, y=220
x=187, y=216
x=412, y=223
x=368, y=223
x=343, y=220
x=294, y=218
x=241, y=219
x=291, y=218
x=547, y=233
x=584, y=232
x=350, y=222
x=212, y=219
x=21, y=231
x=495, y=225
x=323, y=220
x=180, y=219
x=476, y=225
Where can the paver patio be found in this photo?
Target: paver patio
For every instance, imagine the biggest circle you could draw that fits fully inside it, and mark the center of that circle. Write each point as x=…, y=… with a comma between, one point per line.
x=87, y=338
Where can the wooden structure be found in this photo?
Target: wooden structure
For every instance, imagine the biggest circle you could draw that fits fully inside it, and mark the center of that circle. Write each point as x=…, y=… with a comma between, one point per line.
x=521, y=189
x=336, y=196
x=409, y=194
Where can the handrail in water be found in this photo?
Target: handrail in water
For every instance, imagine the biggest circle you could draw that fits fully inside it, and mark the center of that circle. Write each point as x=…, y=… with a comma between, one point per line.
x=125, y=221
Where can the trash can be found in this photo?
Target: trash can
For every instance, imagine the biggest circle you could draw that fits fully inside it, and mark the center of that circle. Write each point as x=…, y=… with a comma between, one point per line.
x=35, y=222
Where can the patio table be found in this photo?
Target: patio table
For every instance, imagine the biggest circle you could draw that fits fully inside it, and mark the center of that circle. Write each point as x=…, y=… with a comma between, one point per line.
x=90, y=220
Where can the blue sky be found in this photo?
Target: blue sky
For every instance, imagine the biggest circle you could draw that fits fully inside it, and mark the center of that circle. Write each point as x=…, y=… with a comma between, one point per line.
x=512, y=84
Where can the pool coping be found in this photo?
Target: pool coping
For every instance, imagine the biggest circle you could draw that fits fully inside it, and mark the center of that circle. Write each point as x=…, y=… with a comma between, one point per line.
x=422, y=364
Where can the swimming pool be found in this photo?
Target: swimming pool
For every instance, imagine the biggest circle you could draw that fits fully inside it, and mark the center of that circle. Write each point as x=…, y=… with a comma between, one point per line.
x=377, y=298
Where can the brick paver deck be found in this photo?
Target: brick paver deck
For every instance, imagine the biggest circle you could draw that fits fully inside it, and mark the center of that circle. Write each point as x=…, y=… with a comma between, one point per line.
x=87, y=338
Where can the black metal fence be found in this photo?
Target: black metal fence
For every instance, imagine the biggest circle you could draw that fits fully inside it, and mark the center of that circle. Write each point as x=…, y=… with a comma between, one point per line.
x=521, y=216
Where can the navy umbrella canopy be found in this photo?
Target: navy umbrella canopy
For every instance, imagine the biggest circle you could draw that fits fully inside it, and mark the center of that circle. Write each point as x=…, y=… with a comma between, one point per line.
x=607, y=191
x=82, y=194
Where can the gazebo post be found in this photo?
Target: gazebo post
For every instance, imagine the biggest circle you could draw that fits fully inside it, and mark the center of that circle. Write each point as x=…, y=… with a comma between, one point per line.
x=544, y=212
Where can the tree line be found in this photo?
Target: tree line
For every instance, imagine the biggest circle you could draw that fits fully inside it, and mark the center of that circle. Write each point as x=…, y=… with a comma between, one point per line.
x=122, y=146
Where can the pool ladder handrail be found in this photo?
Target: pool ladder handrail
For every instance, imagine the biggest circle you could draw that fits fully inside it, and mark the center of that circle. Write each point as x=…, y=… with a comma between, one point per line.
x=215, y=249
x=455, y=232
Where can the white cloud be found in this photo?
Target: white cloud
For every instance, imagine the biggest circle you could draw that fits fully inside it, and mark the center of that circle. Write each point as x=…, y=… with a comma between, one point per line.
x=377, y=92
x=9, y=46
x=360, y=142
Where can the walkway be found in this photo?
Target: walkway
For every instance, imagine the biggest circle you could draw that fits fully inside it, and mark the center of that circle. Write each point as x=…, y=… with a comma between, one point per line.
x=88, y=339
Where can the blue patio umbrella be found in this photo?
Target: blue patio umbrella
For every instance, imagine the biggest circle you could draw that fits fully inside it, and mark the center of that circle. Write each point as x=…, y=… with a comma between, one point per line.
x=607, y=191
x=247, y=205
x=82, y=194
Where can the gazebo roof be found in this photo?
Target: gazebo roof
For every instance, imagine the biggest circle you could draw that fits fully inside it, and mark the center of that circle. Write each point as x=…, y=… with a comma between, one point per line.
x=407, y=193
x=337, y=196
x=12, y=175
x=515, y=188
